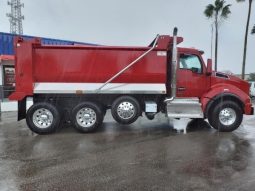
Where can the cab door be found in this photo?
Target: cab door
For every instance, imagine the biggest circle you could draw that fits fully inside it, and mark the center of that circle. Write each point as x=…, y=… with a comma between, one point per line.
x=191, y=76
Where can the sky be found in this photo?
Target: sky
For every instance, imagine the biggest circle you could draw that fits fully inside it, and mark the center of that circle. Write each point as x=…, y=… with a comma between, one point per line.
x=137, y=22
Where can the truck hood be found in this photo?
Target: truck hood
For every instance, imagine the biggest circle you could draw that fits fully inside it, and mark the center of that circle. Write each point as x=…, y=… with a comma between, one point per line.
x=219, y=78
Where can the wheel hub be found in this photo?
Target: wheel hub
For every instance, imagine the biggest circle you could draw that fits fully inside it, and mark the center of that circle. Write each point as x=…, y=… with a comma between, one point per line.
x=126, y=110
x=86, y=117
x=227, y=116
x=42, y=118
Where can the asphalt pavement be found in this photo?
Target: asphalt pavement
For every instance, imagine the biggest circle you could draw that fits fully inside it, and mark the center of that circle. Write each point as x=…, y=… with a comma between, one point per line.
x=147, y=155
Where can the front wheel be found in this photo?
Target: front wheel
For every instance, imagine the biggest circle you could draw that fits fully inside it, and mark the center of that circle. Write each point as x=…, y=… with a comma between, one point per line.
x=226, y=116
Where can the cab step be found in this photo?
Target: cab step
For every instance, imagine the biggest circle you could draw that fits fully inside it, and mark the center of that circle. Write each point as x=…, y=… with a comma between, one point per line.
x=184, y=108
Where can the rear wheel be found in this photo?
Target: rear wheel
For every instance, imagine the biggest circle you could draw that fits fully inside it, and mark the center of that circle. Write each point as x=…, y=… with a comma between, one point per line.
x=43, y=118
x=226, y=116
x=87, y=117
x=126, y=110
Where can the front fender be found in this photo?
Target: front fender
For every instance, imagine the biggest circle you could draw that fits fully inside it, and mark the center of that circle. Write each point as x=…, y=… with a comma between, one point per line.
x=226, y=90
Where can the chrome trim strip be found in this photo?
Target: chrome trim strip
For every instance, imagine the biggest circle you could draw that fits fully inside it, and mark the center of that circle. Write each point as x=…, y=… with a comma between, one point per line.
x=92, y=88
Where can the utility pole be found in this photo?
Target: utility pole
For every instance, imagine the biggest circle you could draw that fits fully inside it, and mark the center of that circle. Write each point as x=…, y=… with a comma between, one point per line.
x=15, y=17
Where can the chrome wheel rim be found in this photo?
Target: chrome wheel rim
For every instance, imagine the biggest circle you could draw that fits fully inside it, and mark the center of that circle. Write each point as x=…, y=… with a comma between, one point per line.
x=42, y=118
x=86, y=117
x=126, y=110
x=227, y=116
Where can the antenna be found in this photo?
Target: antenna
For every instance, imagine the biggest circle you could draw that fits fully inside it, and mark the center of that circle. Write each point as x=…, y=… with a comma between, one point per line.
x=15, y=17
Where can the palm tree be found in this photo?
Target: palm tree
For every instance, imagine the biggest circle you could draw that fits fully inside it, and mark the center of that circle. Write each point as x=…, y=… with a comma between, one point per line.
x=246, y=36
x=217, y=11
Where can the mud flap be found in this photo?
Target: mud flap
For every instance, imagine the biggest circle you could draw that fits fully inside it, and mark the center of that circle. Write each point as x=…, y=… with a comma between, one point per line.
x=22, y=109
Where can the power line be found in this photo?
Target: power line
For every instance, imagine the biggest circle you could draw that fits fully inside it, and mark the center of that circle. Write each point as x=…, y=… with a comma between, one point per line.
x=15, y=17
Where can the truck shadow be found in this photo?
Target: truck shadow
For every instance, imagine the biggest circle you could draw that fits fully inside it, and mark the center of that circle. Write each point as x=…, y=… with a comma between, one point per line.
x=156, y=127
x=198, y=125
x=149, y=127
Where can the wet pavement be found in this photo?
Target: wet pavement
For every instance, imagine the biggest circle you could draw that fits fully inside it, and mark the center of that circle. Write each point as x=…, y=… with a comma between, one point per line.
x=148, y=155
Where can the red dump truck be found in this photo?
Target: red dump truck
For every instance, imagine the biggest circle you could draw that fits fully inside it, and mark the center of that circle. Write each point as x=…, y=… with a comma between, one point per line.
x=80, y=83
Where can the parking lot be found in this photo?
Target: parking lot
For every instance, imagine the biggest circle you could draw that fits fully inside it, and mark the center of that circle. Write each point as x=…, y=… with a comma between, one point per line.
x=148, y=155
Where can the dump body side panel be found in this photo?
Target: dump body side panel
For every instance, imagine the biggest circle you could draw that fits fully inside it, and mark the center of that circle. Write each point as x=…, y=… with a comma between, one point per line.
x=36, y=63
x=84, y=65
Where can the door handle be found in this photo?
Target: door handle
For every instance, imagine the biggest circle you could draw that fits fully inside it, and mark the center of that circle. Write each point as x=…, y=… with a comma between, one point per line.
x=181, y=89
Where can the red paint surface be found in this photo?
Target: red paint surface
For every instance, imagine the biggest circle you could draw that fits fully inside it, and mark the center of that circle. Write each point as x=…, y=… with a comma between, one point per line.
x=233, y=85
x=97, y=64
x=195, y=84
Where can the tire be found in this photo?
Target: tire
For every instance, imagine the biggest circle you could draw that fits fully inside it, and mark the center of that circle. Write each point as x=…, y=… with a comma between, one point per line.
x=226, y=116
x=43, y=118
x=126, y=110
x=87, y=117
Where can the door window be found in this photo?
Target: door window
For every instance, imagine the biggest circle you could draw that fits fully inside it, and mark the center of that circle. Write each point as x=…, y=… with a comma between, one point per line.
x=190, y=62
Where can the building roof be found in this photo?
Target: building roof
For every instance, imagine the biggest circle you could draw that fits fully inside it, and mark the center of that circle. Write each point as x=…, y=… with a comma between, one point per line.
x=6, y=57
x=6, y=42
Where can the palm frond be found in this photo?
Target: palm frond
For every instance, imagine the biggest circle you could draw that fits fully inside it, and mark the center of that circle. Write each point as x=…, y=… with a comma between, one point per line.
x=219, y=5
x=209, y=10
x=226, y=11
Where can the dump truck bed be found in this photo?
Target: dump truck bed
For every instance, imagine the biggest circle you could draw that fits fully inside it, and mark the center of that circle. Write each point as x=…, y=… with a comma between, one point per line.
x=97, y=65
x=37, y=64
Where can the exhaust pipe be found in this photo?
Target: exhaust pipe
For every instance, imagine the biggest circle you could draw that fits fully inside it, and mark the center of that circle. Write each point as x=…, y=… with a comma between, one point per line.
x=173, y=66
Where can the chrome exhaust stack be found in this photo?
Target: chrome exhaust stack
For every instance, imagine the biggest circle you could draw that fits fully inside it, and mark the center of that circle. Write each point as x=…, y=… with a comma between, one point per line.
x=174, y=67
x=174, y=64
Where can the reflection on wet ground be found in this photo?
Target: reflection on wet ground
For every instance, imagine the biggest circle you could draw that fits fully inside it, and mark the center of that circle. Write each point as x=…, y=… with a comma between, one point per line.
x=148, y=155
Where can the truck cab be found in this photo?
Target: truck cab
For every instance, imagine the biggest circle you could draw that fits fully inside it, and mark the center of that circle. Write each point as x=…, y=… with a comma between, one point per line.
x=199, y=92
x=192, y=77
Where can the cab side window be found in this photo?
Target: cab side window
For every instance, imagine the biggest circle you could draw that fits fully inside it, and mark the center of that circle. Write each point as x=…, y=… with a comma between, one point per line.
x=190, y=62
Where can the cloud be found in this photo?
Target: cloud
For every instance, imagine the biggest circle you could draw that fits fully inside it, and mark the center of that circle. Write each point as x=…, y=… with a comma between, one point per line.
x=132, y=22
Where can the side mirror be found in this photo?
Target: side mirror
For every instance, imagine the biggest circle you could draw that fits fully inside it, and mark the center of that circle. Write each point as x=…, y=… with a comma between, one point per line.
x=209, y=67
